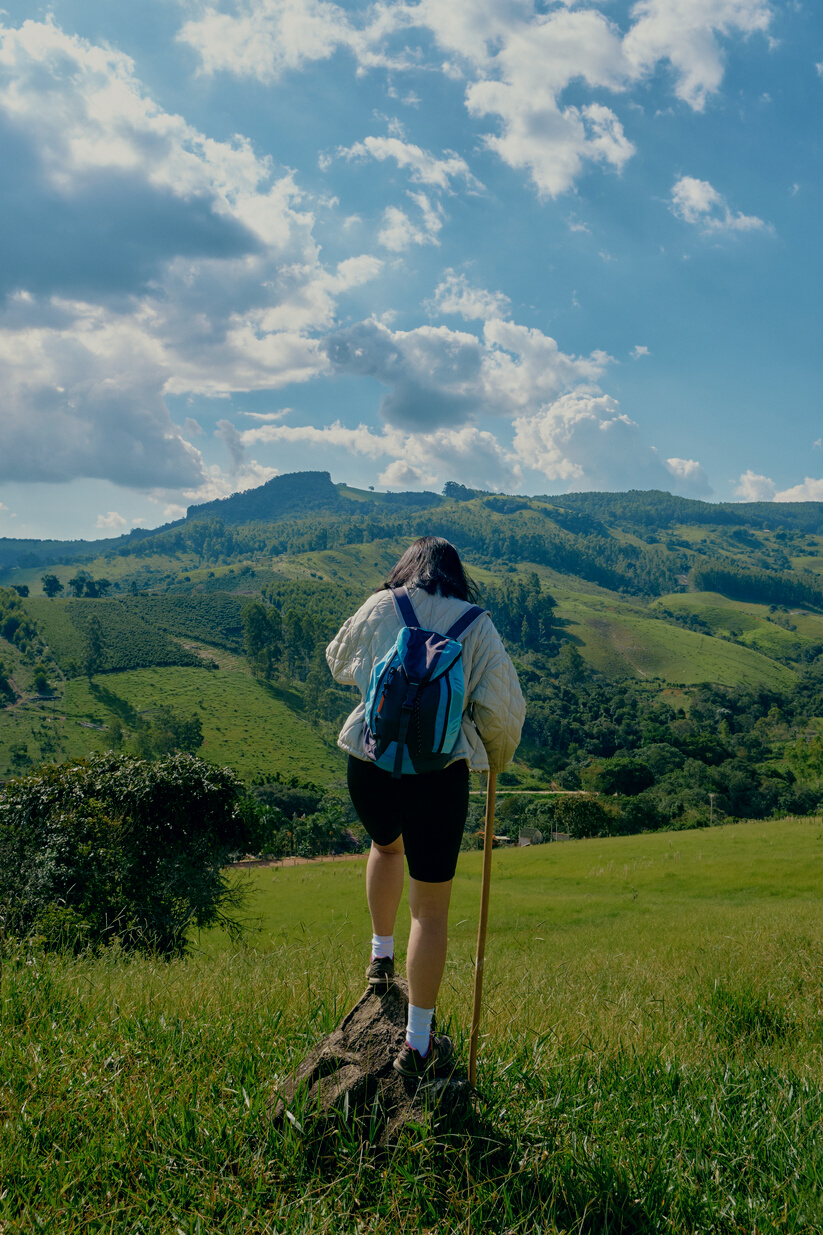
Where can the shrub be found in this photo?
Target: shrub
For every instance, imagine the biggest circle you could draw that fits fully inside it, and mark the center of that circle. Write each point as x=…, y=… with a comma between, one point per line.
x=117, y=847
x=582, y=817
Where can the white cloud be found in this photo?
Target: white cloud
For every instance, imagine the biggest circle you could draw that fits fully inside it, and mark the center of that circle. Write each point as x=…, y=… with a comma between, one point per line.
x=753, y=487
x=112, y=521
x=810, y=491
x=441, y=376
x=684, y=33
x=639, y=350
x=584, y=442
x=517, y=59
x=698, y=202
x=418, y=460
x=456, y=295
x=817, y=443
x=399, y=232
x=424, y=167
x=218, y=287
x=691, y=475
x=173, y=511
x=139, y=521
x=266, y=38
x=819, y=68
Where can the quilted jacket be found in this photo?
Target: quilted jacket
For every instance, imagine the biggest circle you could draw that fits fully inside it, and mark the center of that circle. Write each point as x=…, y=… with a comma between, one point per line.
x=493, y=709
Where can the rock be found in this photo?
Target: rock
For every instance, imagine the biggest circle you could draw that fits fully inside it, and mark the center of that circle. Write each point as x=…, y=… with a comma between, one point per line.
x=350, y=1073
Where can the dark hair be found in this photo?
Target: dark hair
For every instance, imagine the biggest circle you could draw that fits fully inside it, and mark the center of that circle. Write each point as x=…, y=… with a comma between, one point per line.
x=433, y=564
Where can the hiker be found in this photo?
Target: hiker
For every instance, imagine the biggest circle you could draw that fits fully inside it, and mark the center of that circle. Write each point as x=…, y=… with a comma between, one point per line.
x=422, y=814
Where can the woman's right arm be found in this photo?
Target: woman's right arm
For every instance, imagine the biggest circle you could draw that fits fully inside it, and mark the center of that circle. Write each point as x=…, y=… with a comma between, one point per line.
x=498, y=706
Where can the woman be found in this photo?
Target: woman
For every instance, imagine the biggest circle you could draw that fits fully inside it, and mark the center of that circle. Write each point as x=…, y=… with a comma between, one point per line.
x=423, y=816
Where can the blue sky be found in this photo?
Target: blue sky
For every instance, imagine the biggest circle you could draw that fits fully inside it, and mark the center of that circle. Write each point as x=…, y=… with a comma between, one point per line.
x=528, y=246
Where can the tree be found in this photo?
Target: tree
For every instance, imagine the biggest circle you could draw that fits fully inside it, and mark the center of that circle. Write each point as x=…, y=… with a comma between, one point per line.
x=582, y=817
x=21, y=589
x=262, y=634
x=93, y=661
x=624, y=776
x=78, y=583
x=51, y=585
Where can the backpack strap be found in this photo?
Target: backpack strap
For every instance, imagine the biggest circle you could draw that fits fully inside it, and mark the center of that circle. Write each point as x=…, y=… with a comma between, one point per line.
x=404, y=606
x=467, y=618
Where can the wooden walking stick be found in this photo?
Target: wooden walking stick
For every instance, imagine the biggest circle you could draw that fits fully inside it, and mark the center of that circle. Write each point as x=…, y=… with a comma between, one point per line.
x=488, y=842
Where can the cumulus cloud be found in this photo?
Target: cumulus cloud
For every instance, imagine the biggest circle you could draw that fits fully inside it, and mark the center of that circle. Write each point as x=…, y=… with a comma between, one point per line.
x=112, y=521
x=192, y=269
x=685, y=33
x=456, y=295
x=639, y=350
x=517, y=60
x=691, y=476
x=266, y=38
x=753, y=487
x=584, y=441
x=810, y=491
x=418, y=460
x=698, y=202
x=440, y=376
x=423, y=167
x=399, y=232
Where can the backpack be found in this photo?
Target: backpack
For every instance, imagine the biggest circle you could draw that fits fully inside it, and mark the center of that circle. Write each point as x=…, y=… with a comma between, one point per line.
x=414, y=704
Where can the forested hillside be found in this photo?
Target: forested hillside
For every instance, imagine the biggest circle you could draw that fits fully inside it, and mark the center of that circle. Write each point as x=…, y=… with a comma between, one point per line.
x=671, y=651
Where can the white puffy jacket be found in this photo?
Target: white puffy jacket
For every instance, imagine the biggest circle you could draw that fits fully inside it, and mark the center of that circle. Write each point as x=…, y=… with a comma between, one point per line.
x=493, y=707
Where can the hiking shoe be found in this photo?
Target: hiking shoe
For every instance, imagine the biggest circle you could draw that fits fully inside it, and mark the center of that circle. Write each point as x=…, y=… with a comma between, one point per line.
x=380, y=973
x=438, y=1061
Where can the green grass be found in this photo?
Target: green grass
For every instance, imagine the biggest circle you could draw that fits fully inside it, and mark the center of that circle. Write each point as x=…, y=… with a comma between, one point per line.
x=651, y=1058
x=113, y=568
x=253, y=728
x=621, y=640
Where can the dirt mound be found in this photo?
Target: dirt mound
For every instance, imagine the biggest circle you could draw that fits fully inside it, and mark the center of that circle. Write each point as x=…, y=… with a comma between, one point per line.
x=350, y=1073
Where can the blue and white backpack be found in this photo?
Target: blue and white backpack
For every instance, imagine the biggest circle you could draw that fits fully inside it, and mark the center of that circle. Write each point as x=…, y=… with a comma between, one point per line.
x=414, y=704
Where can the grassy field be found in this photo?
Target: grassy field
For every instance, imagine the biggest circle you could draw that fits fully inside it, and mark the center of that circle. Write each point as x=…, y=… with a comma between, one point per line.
x=621, y=640
x=253, y=728
x=651, y=1057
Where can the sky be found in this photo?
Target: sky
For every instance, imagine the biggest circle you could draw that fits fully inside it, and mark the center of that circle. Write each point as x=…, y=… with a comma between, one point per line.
x=527, y=245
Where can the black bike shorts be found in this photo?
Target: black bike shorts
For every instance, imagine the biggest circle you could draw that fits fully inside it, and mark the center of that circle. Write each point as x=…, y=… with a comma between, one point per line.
x=429, y=811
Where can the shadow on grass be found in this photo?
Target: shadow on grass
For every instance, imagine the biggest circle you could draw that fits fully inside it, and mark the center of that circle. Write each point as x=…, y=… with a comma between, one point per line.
x=283, y=694
x=121, y=708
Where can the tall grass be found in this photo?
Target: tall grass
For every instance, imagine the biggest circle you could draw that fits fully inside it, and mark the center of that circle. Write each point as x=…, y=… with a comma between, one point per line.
x=651, y=1060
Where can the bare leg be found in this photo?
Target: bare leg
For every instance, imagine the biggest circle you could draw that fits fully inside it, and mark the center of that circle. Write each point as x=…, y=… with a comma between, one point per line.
x=428, y=940
x=384, y=884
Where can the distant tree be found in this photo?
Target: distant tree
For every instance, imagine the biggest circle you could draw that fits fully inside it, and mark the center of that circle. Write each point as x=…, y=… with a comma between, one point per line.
x=457, y=493
x=51, y=585
x=78, y=583
x=96, y=588
x=21, y=589
x=624, y=776
x=41, y=681
x=582, y=817
x=262, y=634
x=93, y=661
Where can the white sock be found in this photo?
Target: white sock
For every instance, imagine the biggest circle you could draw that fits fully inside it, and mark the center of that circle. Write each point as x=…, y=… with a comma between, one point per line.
x=418, y=1028
x=382, y=945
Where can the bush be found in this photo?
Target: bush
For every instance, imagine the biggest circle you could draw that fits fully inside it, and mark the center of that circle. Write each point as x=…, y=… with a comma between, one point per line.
x=582, y=817
x=115, y=847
